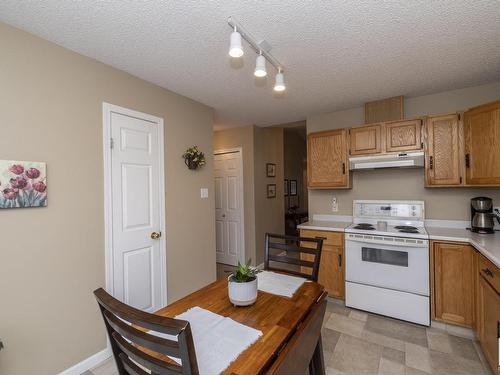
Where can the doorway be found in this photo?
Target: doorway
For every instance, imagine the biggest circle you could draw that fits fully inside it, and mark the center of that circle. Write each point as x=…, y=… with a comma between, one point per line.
x=295, y=173
x=134, y=207
x=229, y=207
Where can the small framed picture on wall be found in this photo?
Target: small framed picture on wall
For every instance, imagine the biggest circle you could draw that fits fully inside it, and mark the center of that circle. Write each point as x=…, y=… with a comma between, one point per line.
x=270, y=170
x=293, y=187
x=271, y=190
x=285, y=188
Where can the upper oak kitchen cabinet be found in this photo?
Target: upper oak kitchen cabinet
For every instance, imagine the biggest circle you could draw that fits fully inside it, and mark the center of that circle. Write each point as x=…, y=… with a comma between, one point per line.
x=482, y=145
x=444, y=150
x=403, y=136
x=327, y=164
x=366, y=140
x=388, y=137
x=460, y=149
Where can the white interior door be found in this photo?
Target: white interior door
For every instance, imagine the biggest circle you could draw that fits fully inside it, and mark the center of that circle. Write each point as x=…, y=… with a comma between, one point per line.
x=229, y=207
x=138, y=261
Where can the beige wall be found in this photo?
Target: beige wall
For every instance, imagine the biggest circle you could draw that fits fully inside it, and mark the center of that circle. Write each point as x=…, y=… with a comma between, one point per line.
x=442, y=203
x=243, y=137
x=269, y=212
x=51, y=259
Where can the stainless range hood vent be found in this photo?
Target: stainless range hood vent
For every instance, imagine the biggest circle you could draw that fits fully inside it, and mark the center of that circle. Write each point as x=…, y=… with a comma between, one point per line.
x=402, y=160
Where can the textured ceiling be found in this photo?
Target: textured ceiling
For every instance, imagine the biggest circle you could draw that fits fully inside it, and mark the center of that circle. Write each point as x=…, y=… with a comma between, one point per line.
x=337, y=54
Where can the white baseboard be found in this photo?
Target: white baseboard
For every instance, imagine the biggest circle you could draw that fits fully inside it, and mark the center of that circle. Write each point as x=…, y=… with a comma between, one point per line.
x=88, y=363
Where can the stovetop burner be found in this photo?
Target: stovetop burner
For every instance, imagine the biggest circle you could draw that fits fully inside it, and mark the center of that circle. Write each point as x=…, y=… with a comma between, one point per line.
x=409, y=230
x=364, y=226
x=406, y=227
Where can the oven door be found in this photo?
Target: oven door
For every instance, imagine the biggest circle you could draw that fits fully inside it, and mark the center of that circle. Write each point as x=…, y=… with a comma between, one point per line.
x=402, y=268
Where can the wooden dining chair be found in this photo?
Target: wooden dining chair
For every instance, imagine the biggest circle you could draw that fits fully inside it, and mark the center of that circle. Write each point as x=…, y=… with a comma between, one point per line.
x=135, y=349
x=294, y=255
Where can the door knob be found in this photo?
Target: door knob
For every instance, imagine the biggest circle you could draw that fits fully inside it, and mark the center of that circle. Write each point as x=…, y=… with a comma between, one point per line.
x=223, y=215
x=155, y=235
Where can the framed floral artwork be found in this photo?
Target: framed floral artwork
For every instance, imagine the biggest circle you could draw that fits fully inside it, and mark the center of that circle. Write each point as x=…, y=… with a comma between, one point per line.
x=23, y=184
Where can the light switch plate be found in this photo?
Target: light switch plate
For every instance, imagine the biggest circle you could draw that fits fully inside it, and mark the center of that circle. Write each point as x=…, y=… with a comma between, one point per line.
x=204, y=193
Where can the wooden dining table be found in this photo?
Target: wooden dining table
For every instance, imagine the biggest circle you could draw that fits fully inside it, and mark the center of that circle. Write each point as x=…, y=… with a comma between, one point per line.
x=291, y=328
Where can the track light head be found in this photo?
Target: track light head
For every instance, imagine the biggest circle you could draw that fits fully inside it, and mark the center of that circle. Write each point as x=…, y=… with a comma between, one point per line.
x=279, y=84
x=235, y=48
x=260, y=66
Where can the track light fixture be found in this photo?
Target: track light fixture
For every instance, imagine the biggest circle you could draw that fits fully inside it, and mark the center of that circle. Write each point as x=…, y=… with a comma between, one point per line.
x=260, y=66
x=279, y=84
x=235, y=48
x=262, y=49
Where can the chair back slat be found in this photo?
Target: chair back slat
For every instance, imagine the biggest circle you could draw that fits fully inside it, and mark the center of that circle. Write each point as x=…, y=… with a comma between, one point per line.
x=294, y=255
x=294, y=248
x=154, y=364
x=131, y=367
x=152, y=342
x=285, y=259
x=133, y=344
x=141, y=318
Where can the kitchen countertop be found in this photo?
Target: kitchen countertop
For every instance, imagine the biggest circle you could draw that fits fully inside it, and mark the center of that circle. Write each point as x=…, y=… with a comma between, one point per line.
x=486, y=244
x=330, y=226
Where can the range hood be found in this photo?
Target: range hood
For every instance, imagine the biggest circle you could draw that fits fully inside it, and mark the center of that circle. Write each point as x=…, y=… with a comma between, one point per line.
x=402, y=160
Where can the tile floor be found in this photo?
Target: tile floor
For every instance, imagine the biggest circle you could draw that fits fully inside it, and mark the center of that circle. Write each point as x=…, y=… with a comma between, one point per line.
x=358, y=343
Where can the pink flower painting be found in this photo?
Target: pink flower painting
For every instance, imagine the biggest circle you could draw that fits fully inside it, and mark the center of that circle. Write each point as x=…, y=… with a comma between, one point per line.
x=22, y=184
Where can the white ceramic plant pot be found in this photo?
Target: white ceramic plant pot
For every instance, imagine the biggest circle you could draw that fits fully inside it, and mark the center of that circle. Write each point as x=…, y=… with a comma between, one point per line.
x=242, y=294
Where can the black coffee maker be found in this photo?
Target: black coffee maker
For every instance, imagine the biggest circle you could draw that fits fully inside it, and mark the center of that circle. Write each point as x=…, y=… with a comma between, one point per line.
x=482, y=216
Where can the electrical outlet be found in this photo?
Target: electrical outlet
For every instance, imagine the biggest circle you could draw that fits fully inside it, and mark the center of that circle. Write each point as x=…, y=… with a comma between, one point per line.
x=335, y=204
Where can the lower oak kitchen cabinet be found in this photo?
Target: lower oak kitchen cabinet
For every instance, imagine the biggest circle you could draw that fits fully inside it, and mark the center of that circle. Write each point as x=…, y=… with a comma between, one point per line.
x=331, y=269
x=488, y=300
x=465, y=286
x=452, y=282
x=466, y=291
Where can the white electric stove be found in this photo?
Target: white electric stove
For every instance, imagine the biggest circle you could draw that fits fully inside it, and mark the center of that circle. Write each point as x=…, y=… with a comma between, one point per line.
x=387, y=260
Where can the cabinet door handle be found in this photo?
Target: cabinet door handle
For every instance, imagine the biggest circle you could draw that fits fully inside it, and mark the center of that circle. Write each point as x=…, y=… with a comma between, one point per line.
x=340, y=260
x=343, y=168
x=321, y=238
x=431, y=162
x=487, y=272
x=467, y=160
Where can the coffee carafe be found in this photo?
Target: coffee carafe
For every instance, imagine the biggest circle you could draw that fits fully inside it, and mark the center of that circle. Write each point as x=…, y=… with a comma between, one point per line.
x=482, y=216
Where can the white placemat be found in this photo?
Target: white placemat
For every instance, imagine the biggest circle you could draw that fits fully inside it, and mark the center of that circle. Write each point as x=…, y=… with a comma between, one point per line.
x=277, y=283
x=218, y=341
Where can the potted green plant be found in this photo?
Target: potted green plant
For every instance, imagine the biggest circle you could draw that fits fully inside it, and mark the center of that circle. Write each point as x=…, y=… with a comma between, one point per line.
x=242, y=285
